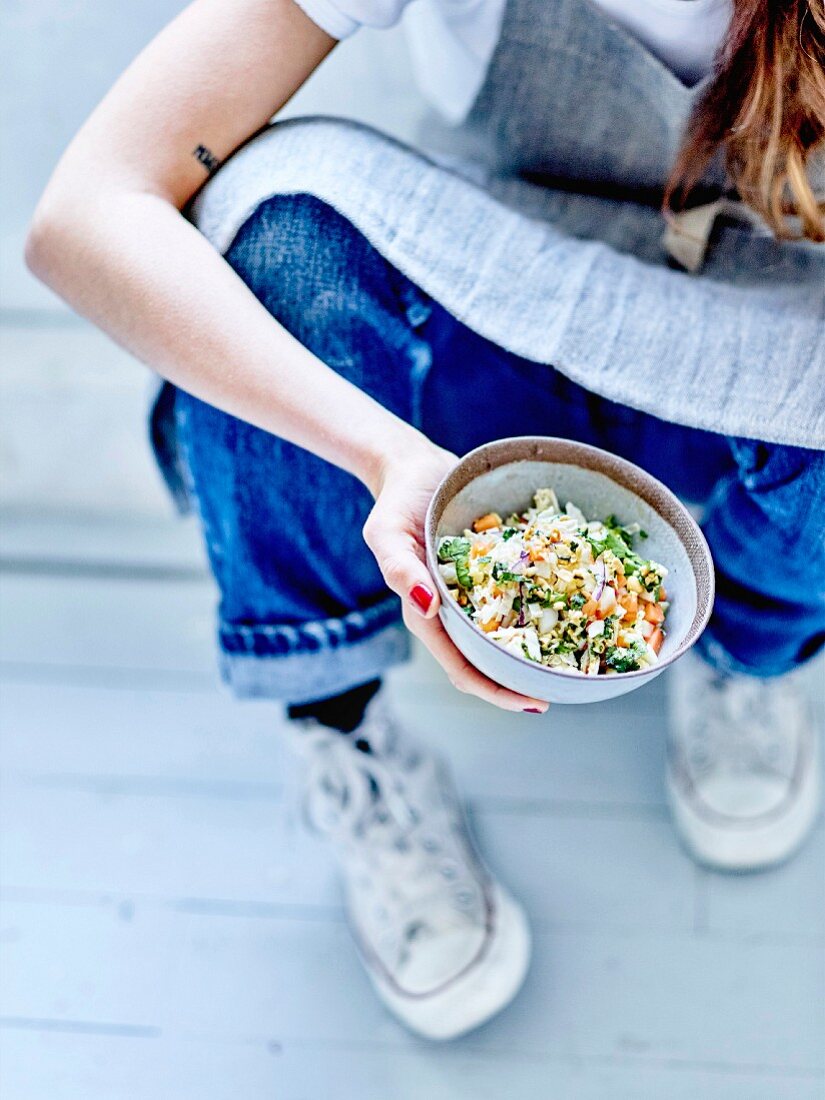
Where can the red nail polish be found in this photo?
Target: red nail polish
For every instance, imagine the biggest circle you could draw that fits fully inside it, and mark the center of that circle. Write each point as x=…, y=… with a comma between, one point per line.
x=422, y=597
x=533, y=710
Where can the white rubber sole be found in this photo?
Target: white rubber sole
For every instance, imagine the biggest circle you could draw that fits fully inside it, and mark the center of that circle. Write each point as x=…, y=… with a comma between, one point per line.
x=479, y=994
x=728, y=845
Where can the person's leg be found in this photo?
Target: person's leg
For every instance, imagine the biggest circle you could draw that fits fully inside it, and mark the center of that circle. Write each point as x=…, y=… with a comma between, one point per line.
x=476, y=392
x=304, y=612
x=742, y=749
x=764, y=523
x=305, y=618
x=743, y=759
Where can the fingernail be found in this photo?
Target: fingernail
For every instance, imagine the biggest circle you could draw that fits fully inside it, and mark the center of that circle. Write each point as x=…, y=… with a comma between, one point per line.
x=422, y=597
x=533, y=710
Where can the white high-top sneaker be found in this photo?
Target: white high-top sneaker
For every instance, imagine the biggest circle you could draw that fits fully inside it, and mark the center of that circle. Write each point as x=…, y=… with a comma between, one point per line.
x=743, y=772
x=444, y=944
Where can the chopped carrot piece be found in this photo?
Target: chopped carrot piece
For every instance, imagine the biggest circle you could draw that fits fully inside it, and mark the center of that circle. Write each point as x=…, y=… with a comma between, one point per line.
x=654, y=613
x=655, y=640
x=487, y=523
x=631, y=607
x=590, y=608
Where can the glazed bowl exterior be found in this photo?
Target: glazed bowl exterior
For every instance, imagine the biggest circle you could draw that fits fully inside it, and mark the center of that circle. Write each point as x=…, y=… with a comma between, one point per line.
x=502, y=477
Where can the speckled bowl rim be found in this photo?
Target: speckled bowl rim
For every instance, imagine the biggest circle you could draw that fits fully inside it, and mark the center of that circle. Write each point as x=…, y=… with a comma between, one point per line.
x=535, y=448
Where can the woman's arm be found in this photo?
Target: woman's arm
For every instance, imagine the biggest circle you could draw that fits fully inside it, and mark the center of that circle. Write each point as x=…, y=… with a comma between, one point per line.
x=108, y=237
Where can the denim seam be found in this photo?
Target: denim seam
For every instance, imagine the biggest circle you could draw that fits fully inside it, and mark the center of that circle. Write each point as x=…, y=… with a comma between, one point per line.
x=272, y=640
x=301, y=677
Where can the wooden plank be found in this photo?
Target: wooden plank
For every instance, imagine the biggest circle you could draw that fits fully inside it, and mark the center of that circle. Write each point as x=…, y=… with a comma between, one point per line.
x=137, y=625
x=44, y=1064
x=245, y=844
x=788, y=900
x=661, y=999
x=560, y=763
x=78, y=731
x=171, y=543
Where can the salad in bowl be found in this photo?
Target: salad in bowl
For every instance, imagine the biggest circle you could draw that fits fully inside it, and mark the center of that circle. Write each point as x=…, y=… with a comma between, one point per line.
x=575, y=593
x=553, y=587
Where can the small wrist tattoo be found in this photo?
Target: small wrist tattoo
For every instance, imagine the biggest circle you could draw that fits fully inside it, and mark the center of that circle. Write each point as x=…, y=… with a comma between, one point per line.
x=207, y=158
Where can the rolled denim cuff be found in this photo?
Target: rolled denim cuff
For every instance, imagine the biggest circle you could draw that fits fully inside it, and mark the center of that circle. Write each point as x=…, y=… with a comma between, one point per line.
x=313, y=660
x=714, y=653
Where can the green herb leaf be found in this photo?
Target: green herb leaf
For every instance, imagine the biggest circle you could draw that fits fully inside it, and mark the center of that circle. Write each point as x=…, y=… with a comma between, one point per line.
x=457, y=550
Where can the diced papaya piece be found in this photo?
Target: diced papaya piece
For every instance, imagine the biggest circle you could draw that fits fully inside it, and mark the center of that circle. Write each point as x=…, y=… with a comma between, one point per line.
x=487, y=523
x=655, y=640
x=492, y=625
x=631, y=607
x=654, y=613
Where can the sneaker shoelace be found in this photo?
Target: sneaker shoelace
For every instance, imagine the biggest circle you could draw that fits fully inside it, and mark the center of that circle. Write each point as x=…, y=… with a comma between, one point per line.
x=376, y=806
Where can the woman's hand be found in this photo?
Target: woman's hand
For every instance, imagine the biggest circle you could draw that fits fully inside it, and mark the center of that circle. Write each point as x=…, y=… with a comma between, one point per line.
x=394, y=532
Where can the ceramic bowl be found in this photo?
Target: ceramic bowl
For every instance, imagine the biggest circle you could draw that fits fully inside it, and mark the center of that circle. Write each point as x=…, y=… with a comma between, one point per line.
x=502, y=477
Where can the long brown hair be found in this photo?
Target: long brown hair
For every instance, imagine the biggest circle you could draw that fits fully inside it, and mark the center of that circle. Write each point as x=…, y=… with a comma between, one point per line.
x=764, y=110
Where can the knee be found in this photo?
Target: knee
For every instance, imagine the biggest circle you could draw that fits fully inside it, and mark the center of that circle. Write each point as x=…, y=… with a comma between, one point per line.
x=765, y=466
x=296, y=249
x=786, y=482
x=316, y=273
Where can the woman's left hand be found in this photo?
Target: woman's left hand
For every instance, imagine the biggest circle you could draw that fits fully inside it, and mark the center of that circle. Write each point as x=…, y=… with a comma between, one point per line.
x=394, y=531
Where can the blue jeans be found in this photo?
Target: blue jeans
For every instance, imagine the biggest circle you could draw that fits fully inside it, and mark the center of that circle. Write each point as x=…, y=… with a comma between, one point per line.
x=304, y=612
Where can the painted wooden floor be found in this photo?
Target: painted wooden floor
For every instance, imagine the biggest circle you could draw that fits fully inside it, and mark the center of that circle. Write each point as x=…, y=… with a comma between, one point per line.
x=169, y=932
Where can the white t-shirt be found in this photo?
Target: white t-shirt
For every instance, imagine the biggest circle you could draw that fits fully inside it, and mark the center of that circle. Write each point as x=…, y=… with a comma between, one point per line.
x=452, y=41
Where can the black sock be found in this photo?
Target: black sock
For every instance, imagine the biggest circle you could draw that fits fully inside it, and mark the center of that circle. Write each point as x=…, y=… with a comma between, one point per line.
x=341, y=712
